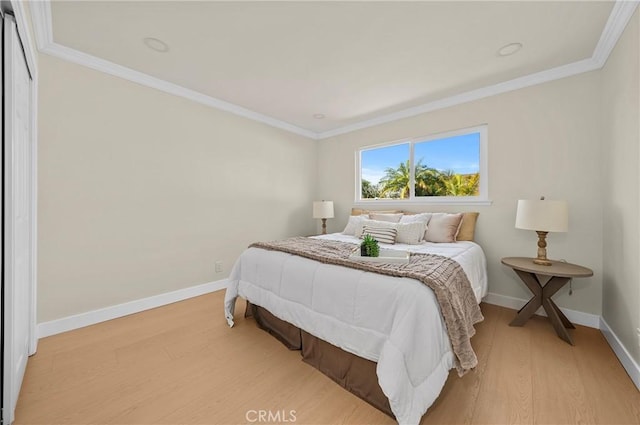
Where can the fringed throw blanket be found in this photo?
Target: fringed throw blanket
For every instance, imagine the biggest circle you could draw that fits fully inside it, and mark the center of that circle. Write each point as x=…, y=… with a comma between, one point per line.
x=443, y=275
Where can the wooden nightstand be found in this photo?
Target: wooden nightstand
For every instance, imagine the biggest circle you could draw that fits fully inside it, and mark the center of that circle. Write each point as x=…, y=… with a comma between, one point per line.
x=557, y=275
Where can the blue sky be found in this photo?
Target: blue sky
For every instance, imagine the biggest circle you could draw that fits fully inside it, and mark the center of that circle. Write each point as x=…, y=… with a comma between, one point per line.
x=460, y=154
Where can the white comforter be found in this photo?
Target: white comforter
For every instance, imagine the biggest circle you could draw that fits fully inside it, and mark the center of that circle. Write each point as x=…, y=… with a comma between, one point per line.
x=395, y=322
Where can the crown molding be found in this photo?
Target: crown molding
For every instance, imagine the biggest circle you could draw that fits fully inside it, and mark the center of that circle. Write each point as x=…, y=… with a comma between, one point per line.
x=43, y=28
x=129, y=74
x=619, y=17
x=504, y=87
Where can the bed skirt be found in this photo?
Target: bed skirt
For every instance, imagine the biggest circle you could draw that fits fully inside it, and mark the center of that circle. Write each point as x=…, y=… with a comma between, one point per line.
x=353, y=373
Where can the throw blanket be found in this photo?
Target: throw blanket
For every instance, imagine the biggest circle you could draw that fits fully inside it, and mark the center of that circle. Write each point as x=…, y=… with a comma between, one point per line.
x=444, y=276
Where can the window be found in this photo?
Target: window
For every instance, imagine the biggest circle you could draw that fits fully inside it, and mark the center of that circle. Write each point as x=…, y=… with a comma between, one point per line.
x=444, y=168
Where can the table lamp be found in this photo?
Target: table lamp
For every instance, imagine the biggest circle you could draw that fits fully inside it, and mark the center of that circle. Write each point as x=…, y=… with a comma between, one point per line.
x=323, y=210
x=543, y=217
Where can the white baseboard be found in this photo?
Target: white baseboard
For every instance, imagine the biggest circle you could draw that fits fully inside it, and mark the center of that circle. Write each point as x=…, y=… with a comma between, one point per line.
x=81, y=320
x=577, y=317
x=629, y=364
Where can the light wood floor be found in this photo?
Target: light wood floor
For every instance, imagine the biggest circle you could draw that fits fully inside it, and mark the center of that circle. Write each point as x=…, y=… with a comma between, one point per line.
x=182, y=364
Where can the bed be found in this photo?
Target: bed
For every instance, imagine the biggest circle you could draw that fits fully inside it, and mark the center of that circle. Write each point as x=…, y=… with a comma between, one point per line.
x=382, y=337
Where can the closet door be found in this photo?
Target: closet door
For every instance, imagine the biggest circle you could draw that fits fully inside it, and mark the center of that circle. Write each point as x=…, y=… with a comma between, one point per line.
x=18, y=187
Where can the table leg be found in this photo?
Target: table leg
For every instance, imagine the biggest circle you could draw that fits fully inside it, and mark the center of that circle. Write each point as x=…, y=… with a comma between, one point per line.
x=563, y=318
x=542, y=297
x=534, y=303
x=556, y=321
x=553, y=286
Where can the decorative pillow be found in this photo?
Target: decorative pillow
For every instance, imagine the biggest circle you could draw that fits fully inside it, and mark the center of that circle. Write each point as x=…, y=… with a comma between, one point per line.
x=352, y=224
x=410, y=233
x=372, y=223
x=381, y=234
x=393, y=218
x=443, y=227
x=467, y=227
x=416, y=218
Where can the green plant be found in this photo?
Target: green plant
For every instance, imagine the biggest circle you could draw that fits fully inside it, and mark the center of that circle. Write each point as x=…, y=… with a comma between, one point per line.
x=369, y=247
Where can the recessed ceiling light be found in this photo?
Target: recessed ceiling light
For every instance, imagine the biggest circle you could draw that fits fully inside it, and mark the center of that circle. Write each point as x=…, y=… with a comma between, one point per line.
x=318, y=116
x=156, y=44
x=509, y=49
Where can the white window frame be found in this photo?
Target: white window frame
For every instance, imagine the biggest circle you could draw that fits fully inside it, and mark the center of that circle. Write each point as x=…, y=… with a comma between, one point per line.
x=483, y=189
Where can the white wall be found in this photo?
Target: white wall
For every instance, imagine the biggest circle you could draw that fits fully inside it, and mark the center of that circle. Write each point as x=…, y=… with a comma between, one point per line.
x=141, y=192
x=543, y=140
x=621, y=197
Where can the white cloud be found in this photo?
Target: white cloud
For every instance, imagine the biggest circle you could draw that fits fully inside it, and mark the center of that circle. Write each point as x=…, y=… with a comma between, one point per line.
x=373, y=175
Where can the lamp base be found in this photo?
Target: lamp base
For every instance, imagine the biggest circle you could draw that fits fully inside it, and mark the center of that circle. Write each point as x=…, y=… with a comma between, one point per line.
x=542, y=262
x=542, y=250
x=324, y=226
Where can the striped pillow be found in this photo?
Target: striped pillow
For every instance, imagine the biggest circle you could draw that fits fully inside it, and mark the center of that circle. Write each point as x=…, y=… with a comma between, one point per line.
x=381, y=234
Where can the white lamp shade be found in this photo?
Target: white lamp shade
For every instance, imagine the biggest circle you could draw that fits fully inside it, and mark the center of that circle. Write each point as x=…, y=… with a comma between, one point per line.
x=323, y=209
x=543, y=215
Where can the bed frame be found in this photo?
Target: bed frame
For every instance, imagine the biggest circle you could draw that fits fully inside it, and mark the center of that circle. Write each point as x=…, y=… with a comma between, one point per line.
x=355, y=374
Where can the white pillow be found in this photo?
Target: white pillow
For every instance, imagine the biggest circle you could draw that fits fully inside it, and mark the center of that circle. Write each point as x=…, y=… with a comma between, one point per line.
x=372, y=223
x=416, y=218
x=410, y=233
x=381, y=234
x=353, y=224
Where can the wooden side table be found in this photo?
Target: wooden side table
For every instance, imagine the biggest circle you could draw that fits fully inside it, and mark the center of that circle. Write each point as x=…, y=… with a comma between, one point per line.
x=558, y=274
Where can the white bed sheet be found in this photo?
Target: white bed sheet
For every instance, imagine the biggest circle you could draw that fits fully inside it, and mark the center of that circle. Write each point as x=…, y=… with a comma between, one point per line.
x=395, y=322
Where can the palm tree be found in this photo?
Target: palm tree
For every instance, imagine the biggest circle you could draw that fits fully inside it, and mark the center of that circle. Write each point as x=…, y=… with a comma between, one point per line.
x=395, y=183
x=429, y=181
x=462, y=185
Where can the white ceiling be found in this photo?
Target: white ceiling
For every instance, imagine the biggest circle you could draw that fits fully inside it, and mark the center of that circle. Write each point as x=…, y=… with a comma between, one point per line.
x=351, y=61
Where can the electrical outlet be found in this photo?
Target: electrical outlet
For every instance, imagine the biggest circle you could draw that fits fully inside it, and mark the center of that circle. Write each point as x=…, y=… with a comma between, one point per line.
x=218, y=266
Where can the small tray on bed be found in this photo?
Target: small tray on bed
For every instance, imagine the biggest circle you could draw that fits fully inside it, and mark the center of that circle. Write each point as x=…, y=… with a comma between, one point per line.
x=386, y=256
